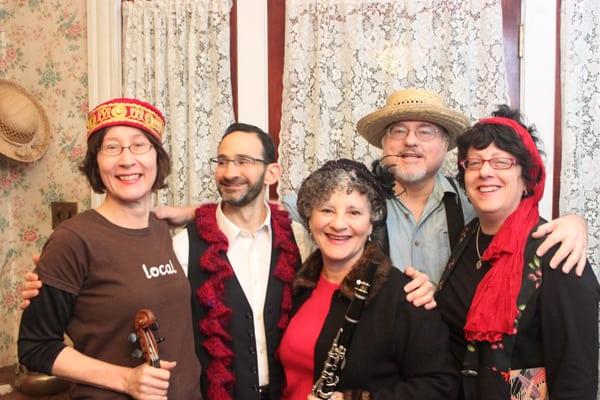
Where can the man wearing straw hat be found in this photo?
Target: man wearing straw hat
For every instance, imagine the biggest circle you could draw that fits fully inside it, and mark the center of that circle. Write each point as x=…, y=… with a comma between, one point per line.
x=415, y=130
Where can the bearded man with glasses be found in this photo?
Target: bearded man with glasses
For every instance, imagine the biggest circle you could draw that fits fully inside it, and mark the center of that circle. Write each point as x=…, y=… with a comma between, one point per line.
x=241, y=258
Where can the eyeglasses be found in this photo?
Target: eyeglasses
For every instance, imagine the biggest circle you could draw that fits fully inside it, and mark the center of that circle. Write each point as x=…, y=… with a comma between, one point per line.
x=238, y=161
x=475, y=164
x=423, y=133
x=114, y=149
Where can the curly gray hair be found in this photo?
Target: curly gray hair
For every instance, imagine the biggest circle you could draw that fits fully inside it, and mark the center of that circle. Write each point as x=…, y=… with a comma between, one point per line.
x=341, y=175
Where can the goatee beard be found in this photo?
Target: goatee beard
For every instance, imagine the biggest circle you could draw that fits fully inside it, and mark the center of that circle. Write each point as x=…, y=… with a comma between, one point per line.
x=253, y=192
x=409, y=177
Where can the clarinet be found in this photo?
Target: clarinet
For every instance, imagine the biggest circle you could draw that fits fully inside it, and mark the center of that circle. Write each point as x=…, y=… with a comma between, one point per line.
x=336, y=356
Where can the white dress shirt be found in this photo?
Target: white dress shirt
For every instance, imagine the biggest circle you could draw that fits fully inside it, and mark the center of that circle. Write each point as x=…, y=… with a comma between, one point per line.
x=250, y=256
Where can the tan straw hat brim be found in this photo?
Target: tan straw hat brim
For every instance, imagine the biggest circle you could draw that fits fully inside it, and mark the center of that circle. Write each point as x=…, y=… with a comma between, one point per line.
x=24, y=125
x=412, y=107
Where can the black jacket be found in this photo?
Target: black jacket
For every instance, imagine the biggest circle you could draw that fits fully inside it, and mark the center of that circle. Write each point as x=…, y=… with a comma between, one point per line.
x=398, y=351
x=557, y=325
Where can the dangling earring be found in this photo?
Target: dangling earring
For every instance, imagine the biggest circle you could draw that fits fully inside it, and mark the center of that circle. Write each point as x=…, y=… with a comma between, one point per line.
x=369, y=238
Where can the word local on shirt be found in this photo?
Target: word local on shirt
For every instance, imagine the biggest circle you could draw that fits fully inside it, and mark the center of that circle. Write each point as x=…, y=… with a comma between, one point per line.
x=161, y=270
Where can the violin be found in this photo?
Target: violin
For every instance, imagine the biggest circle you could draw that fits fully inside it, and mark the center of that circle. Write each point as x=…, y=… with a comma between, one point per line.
x=144, y=323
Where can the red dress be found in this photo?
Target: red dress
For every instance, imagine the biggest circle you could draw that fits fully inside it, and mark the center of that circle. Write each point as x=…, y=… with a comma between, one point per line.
x=297, y=349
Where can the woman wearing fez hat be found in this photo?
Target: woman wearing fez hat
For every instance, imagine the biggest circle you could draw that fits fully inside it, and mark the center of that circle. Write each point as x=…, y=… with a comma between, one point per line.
x=102, y=266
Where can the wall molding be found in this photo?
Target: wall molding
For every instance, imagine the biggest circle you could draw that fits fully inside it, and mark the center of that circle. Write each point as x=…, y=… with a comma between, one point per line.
x=104, y=57
x=538, y=83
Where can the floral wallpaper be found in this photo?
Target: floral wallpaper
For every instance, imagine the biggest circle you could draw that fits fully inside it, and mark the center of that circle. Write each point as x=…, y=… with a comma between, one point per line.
x=42, y=48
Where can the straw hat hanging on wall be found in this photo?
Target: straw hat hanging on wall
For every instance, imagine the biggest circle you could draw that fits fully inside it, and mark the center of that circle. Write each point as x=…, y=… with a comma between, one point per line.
x=24, y=125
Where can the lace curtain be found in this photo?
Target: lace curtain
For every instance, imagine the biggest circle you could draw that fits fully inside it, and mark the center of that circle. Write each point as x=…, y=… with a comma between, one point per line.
x=580, y=76
x=176, y=55
x=344, y=57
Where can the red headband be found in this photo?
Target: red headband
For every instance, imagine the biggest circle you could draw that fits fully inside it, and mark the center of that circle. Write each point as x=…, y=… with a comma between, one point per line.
x=129, y=112
x=494, y=308
x=537, y=172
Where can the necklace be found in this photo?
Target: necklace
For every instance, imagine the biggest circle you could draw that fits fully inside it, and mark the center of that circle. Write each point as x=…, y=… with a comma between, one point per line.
x=478, y=264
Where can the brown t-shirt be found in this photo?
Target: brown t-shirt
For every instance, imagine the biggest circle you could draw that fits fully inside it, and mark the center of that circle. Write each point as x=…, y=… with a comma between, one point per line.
x=114, y=272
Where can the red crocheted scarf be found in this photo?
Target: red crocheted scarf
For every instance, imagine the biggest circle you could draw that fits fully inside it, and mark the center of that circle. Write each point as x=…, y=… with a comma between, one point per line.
x=210, y=294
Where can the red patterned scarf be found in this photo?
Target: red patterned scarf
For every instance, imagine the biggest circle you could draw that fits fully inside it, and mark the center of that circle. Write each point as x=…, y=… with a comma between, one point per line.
x=494, y=306
x=214, y=260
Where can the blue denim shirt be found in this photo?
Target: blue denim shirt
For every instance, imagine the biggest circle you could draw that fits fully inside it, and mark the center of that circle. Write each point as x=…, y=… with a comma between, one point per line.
x=423, y=245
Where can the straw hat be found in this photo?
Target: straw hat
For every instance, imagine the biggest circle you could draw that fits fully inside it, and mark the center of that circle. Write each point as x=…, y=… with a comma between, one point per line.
x=24, y=125
x=412, y=105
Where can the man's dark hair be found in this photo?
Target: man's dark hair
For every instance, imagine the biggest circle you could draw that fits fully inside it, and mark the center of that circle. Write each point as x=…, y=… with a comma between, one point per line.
x=89, y=166
x=265, y=139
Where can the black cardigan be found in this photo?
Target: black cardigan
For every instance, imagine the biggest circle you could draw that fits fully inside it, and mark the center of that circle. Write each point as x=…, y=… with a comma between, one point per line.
x=558, y=328
x=398, y=351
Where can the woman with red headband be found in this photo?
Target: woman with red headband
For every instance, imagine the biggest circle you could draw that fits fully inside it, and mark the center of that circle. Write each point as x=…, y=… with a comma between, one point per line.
x=102, y=266
x=519, y=329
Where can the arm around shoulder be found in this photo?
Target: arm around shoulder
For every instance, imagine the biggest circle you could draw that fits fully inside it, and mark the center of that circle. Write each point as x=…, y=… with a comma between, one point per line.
x=175, y=215
x=571, y=232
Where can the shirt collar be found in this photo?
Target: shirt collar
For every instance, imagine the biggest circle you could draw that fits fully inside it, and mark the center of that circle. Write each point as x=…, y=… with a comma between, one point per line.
x=442, y=186
x=232, y=231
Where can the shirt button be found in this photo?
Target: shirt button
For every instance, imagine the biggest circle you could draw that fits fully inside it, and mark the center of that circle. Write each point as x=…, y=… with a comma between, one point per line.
x=416, y=242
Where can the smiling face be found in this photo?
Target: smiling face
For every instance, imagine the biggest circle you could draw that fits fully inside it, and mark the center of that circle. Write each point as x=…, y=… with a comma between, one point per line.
x=410, y=159
x=243, y=184
x=128, y=177
x=494, y=193
x=340, y=227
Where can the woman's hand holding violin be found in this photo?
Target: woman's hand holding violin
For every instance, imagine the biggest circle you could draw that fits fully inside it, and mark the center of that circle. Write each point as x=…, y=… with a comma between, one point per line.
x=148, y=383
